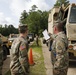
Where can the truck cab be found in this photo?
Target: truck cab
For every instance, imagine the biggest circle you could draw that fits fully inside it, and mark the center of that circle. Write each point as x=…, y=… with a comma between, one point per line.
x=69, y=20
x=11, y=38
x=67, y=15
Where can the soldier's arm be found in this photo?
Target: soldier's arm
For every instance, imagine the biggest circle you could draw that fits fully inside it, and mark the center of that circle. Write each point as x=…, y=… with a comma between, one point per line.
x=23, y=58
x=60, y=48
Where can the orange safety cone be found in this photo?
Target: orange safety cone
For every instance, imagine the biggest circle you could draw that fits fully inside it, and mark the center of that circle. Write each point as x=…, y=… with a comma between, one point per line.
x=31, y=62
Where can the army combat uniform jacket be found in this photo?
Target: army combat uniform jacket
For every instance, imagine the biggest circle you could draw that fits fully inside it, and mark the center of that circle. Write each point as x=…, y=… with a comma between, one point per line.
x=59, y=54
x=19, y=57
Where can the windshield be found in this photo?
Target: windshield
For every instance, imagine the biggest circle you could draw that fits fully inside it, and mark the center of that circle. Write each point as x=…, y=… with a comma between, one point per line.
x=72, y=18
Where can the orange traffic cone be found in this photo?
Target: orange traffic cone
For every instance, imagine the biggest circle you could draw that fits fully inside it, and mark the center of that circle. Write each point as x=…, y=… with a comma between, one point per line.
x=31, y=62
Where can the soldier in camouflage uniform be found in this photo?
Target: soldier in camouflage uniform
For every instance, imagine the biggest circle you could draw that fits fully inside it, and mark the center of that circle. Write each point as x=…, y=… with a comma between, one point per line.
x=59, y=52
x=19, y=54
x=1, y=57
x=37, y=43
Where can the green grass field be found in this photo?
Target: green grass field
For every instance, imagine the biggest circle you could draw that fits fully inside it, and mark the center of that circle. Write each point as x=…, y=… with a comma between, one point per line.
x=39, y=67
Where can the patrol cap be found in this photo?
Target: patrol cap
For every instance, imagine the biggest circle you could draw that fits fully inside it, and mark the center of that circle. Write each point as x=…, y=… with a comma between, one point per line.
x=23, y=28
x=22, y=25
x=59, y=24
x=56, y=23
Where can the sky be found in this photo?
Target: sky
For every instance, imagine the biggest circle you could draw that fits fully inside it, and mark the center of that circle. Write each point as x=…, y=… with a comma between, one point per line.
x=10, y=10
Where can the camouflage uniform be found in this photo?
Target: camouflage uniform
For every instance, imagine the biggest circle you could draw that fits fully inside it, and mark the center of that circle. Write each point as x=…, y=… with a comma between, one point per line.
x=59, y=54
x=1, y=57
x=19, y=57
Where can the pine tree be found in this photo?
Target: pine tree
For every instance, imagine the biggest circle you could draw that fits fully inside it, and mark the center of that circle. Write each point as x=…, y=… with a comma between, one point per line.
x=23, y=17
x=60, y=2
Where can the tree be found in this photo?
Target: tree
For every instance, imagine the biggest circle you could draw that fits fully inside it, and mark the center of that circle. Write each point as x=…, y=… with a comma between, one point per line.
x=23, y=17
x=6, y=26
x=60, y=2
x=0, y=26
x=8, y=29
x=36, y=20
x=33, y=8
x=33, y=21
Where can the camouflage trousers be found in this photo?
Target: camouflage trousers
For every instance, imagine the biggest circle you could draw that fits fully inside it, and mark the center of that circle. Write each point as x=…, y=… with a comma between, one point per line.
x=60, y=72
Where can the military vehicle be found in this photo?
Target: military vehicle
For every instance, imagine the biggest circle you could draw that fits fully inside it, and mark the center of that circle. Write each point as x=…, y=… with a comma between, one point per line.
x=11, y=39
x=68, y=17
x=4, y=46
x=31, y=37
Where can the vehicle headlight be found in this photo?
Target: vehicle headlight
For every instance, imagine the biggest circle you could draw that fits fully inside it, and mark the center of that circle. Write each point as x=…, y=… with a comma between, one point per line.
x=30, y=37
x=74, y=47
x=70, y=47
x=10, y=41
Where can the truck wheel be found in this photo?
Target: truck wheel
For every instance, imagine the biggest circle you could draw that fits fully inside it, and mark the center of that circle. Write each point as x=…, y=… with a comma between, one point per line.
x=5, y=51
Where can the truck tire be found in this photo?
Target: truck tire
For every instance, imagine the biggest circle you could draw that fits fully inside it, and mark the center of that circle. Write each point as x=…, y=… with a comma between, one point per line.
x=5, y=52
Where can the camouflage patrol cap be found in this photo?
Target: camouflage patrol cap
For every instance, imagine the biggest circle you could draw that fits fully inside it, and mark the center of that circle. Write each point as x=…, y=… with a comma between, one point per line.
x=23, y=28
x=56, y=23
x=59, y=24
x=22, y=25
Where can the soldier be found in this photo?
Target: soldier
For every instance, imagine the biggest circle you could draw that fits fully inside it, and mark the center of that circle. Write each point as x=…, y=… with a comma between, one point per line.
x=19, y=54
x=59, y=52
x=1, y=57
x=37, y=40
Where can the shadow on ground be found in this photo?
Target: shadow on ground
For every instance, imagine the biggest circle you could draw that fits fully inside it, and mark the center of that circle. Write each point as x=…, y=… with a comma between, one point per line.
x=72, y=64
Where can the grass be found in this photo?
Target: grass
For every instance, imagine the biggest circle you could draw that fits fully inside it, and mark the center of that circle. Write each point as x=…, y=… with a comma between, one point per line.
x=38, y=68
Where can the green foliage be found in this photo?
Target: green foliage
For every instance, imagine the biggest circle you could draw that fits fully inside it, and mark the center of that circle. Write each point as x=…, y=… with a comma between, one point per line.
x=44, y=20
x=60, y=2
x=36, y=20
x=33, y=21
x=8, y=30
x=33, y=8
x=23, y=17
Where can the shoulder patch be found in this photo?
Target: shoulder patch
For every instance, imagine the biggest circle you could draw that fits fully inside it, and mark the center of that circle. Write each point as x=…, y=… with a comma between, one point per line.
x=22, y=47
